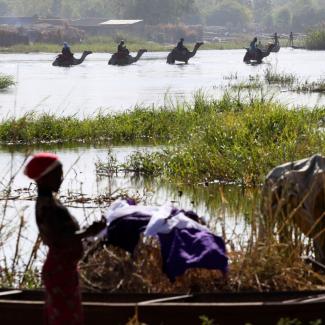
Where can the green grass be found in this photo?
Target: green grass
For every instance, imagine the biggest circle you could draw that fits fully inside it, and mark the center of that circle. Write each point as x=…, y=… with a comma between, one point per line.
x=225, y=139
x=251, y=85
x=273, y=77
x=315, y=39
x=311, y=87
x=6, y=81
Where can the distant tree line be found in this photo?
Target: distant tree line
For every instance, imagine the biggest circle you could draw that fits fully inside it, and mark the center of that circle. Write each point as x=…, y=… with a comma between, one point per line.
x=267, y=15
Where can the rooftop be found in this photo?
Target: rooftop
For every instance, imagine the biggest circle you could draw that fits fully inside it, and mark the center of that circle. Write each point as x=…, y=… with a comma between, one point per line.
x=121, y=22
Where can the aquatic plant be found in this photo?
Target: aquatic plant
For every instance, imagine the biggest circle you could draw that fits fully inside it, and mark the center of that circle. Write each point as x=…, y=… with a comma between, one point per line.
x=311, y=87
x=231, y=139
x=273, y=77
x=231, y=76
x=251, y=85
x=6, y=81
x=315, y=39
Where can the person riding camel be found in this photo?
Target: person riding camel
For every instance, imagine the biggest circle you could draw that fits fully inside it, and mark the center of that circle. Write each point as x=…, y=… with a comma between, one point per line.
x=122, y=50
x=180, y=46
x=66, y=52
x=276, y=38
x=252, y=46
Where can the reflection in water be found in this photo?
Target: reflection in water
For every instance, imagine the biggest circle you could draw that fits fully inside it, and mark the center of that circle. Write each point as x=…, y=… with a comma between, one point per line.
x=93, y=85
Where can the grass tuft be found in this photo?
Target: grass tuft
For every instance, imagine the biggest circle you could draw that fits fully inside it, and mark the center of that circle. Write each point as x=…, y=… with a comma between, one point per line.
x=6, y=81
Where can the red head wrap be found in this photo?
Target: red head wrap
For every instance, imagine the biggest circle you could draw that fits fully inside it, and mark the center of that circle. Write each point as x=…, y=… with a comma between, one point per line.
x=41, y=164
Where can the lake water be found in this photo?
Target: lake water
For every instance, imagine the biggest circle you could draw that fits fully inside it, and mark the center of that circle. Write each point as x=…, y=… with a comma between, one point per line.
x=94, y=85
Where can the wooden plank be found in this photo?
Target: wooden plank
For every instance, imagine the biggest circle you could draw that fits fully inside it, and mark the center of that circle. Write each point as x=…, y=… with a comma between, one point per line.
x=169, y=313
x=154, y=301
x=10, y=292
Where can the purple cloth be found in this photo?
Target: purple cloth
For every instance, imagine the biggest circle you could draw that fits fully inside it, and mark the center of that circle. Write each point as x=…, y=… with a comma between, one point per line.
x=186, y=248
x=125, y=232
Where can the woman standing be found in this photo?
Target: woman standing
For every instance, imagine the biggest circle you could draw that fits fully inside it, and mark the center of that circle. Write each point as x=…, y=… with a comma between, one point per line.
x=60, y=231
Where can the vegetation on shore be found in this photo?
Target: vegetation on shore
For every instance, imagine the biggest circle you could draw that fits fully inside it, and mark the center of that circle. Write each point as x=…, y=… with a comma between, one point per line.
x=6, y=81
x=315, y=39
x=103, y=44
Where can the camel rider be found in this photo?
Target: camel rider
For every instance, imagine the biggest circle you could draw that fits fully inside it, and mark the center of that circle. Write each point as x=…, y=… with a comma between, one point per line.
x=252, y=45
x=66, y=52
x=180, y=46
x=291, y=39
x=121, y=49
x=276, y=38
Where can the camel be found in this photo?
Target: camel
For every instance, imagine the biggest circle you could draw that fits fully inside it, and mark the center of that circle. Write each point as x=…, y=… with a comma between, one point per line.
x=295, y=191
x=61, y=62
x=258, y=55
x=118, y=59
x=275, y=49
x=183, y=56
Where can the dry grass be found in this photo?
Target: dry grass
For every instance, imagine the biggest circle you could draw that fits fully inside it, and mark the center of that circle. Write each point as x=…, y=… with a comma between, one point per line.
x=255, y=266
x=113, y=270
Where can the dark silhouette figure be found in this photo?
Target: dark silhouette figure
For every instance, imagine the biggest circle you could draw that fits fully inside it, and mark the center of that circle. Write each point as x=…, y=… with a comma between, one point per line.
x=252, y=46
x=122, y=50
x=67, y=55
x=60, y=231
x=291, y=39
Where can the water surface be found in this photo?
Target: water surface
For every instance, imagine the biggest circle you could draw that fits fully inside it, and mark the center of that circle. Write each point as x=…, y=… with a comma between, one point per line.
x=94, y=85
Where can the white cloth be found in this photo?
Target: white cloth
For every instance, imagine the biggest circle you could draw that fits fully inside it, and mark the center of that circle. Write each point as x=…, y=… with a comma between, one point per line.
x=161, y=224
x=121, y=208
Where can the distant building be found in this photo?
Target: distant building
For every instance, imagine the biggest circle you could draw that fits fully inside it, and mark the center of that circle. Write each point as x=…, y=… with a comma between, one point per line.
x=96, y=26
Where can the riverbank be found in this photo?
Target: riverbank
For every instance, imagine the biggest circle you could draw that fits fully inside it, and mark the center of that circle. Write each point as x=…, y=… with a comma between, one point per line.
x=108, y=44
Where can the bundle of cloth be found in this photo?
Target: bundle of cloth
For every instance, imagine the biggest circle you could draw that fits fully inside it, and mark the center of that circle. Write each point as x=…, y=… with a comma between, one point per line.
x=184, y=242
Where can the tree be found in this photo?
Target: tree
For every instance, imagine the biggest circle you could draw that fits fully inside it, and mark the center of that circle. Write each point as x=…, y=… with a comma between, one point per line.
x=303, y=18
x=159, y=11
x=231, y=14
x=3, y=8
x=56, y=8
x=283, y=19
x=262, y=8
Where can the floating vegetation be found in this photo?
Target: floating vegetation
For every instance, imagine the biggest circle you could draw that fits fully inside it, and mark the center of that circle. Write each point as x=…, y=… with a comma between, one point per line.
x=6, y=81
x=273, y=77
x=253, y=77
x=251, y=85
x=231, y=76
x=311, y=87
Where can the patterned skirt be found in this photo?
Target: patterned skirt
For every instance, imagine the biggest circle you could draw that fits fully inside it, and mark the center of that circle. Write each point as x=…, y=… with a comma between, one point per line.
x=61, y=280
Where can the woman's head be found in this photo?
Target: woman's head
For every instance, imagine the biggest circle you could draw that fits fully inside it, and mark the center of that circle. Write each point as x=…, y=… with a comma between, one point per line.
x=46, y=170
